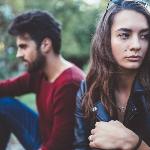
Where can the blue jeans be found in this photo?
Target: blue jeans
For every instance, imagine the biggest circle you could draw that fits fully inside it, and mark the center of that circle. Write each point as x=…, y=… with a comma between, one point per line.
x=18, y=119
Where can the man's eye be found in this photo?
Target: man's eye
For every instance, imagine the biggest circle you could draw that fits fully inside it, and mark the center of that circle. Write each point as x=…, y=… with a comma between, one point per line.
x=123, y=36
x=22, y=46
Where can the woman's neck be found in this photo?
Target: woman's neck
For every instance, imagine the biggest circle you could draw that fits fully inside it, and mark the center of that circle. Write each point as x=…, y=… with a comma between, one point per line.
x=122, y=92
x=125, y=80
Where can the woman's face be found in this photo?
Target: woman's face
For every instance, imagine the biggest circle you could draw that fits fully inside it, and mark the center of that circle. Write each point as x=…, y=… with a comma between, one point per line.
x=129, y=39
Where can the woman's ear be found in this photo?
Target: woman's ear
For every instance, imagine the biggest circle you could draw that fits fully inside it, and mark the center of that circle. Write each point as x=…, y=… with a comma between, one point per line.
x=46, y=45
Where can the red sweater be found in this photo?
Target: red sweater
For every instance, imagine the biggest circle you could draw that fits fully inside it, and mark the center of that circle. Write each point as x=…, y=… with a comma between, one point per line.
x=55, y=102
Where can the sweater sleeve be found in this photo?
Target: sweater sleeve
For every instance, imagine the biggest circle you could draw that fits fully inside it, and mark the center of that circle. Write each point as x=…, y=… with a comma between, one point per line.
x=61, y=137
x=15, y=86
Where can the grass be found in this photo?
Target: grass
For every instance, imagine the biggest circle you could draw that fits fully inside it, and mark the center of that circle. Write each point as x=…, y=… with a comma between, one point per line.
x=29, y=100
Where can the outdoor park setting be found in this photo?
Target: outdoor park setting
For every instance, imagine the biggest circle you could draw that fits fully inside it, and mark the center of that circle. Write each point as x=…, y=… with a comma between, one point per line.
x=78, y=19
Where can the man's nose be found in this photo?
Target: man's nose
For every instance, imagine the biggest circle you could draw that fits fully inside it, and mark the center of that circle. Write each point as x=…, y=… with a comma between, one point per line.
x=135, y=44
x=19, y=53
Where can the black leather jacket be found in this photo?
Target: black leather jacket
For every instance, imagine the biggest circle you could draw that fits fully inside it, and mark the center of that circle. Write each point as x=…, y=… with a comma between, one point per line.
x=137, y=116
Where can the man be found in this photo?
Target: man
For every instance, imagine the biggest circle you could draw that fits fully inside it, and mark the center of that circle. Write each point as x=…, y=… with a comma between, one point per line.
x=54, y=80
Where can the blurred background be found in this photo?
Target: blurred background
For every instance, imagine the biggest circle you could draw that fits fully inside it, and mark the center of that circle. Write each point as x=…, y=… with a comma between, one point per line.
x=78, y=18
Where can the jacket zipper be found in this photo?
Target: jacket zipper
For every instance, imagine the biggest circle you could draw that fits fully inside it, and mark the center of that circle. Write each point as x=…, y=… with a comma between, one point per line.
x=130, y=117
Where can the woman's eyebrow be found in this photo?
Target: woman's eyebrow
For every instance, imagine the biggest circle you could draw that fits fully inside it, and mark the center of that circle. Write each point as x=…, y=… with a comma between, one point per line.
x=124, y=29
x=129, y=30
x=145, y=30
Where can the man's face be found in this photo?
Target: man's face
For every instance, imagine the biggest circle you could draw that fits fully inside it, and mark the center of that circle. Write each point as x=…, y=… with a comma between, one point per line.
x=29, y=54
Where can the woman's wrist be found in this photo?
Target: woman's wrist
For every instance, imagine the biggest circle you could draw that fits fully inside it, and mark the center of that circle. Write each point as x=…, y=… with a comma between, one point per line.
x=138, y=143
x=131, y=141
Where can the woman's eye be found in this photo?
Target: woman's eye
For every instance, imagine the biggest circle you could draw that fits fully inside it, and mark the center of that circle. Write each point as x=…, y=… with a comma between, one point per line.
x=145, y=36
x=123, y=36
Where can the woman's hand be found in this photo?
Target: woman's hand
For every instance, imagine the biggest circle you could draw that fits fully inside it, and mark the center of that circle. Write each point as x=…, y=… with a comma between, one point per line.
x=112, y=135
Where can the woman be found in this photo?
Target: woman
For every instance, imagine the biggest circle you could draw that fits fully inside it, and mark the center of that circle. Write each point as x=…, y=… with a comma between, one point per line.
x=113, y=105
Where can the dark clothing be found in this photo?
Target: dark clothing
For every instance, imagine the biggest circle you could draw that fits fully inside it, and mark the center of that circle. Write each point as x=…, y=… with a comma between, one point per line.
x=55, y=103
x=137, y=116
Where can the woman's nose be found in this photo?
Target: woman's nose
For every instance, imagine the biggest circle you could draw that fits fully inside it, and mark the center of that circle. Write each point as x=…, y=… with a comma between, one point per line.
x=135, y=43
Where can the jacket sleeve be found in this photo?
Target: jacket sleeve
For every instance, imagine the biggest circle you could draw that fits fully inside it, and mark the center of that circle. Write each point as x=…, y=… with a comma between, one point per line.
x=80, y=129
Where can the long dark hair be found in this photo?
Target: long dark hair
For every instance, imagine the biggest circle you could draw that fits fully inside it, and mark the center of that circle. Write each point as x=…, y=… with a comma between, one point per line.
x=101, y=76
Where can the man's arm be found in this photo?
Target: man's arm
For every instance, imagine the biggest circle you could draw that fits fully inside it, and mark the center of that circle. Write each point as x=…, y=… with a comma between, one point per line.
x=15, y=86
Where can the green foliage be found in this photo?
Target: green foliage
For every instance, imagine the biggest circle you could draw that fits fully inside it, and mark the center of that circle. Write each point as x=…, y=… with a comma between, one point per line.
x=29, y=100
x=78, y=24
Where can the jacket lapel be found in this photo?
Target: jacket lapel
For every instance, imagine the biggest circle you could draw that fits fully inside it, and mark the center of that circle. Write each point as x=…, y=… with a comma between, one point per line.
x=101, y=112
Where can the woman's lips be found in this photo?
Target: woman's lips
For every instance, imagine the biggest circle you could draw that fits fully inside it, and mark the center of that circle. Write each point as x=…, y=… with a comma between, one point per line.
x=134, y=58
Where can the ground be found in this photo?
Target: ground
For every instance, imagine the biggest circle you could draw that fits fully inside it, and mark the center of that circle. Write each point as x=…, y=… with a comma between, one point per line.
x=14, y=144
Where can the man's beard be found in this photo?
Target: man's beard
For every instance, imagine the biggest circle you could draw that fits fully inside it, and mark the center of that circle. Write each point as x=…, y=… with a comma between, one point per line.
x=38, y=64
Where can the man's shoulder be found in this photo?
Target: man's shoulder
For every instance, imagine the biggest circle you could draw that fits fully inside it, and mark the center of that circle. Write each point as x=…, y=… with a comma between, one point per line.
x=71, y=75
x=76, y=72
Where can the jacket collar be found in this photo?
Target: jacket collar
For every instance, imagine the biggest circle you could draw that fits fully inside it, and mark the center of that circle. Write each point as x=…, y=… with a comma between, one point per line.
x=101, y=112
x=138, y=87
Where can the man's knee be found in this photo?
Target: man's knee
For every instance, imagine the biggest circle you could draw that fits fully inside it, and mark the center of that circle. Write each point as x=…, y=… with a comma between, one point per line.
x=6, y=103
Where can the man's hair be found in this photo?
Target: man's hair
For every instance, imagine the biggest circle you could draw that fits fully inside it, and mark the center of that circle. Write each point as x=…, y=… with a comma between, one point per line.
x=39, y=25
